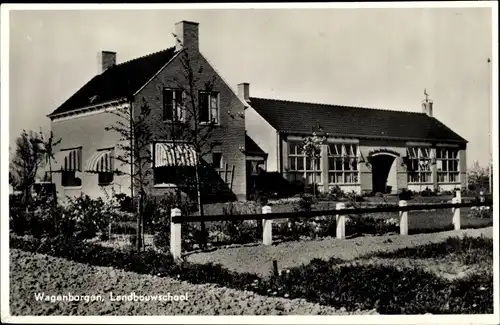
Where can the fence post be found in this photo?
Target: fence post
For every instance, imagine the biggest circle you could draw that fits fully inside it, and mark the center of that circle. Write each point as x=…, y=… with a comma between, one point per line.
x=403, y=219
x=175, y=234
x=456, y=213
x=267, y=227
x=340, y=221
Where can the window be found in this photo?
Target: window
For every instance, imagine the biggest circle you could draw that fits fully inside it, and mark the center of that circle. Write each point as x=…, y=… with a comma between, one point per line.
x=217, y=160
x=419, y=165
x=343, y=163
x=174, y=175
x=209, y=107
x=68, y=178
x=302, y=168
x=173, y=106
x=105, y=178
x=447, y=165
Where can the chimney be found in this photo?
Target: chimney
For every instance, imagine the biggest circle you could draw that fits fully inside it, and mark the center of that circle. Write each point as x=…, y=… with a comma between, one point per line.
x=427, y=104
x=427, y=107
x=187, y=35
x=244, y=91
x=105, y=60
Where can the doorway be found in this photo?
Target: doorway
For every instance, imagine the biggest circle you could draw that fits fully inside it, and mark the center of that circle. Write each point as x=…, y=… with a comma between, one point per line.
x=384, y=176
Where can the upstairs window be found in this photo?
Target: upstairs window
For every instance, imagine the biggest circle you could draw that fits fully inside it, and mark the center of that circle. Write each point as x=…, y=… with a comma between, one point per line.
x=209, y=107
x=173, y=105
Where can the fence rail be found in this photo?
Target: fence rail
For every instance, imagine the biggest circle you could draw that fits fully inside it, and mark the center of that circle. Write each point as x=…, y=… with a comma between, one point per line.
x=339, y=212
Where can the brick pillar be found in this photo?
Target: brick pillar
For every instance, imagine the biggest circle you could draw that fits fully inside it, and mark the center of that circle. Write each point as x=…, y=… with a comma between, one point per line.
x=324, y=167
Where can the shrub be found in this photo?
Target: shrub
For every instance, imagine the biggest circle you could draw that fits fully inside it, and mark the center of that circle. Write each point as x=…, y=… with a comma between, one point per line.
x=125, y=202
x=336, y=193
x=428, y=192
x=159, y=216
x=405, y=194
x=483, y=212
x=89, y=215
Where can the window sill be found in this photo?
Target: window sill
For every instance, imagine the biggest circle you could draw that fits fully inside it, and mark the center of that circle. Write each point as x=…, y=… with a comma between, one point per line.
x=431, y=183
x=211, y=124
x=72, y=187
x=174, y=122
x=344, y=184
x=165, y=186
x=104, y=185
x=449, y=183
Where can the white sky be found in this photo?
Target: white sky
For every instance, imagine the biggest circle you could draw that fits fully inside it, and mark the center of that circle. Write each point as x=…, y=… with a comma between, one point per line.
x=381, y=58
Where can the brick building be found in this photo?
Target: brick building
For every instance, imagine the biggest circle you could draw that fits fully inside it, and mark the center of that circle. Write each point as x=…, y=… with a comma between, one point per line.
x=367, y=149
x=85, y=159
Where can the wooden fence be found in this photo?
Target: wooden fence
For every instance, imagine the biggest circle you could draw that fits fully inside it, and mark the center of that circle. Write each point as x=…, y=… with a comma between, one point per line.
x=340, y=211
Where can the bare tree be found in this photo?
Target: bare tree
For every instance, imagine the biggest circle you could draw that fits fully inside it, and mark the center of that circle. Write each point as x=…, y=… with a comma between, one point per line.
x=134, y=151
x=48, y=144
x=478, y=177
x=27, y=160
x=194, y=121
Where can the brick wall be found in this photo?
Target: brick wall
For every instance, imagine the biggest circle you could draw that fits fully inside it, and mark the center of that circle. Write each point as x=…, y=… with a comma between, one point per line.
x=230, y=133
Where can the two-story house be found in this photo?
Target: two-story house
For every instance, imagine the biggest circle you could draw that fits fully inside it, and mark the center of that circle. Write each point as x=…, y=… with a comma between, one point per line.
x=86, y=157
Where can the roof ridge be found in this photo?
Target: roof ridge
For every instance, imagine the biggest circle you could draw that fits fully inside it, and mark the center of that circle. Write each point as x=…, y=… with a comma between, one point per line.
x=145, y=56
x=344, y=106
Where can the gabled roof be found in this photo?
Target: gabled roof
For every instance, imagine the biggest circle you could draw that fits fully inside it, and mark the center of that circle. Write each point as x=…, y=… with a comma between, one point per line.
x=300, y=117
x=252, y=148
x=119, y=81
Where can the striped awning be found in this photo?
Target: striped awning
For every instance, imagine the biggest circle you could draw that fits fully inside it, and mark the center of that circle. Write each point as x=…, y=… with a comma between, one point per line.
x=100, y=162
x=180, y=154
x=68, y=160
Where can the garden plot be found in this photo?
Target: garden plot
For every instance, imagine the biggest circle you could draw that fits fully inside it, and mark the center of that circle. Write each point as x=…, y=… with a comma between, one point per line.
x=36, y=273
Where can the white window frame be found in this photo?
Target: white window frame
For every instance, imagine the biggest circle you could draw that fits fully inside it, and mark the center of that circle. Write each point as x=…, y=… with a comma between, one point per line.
x=448, y=157
x=178, y=107
x=343, y=151
x=306, y=173
x=211, y=119
x=423, y=158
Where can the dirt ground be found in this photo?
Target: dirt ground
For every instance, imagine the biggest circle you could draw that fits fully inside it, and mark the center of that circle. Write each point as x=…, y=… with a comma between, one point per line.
x=259, y=259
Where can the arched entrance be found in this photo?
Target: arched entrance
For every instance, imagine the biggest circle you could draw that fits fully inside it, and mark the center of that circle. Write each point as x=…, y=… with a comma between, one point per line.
x=384, y=174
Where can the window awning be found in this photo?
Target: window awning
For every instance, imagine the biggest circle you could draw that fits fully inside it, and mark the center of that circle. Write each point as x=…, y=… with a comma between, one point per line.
x=68, y=160
x=180, y=154
x=100, y=162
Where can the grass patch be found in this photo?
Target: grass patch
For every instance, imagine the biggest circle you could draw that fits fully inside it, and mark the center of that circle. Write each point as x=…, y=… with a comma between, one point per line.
x=467, y=250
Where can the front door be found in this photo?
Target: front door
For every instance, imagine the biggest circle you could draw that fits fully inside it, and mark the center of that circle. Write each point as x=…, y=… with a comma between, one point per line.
x=381, y=166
